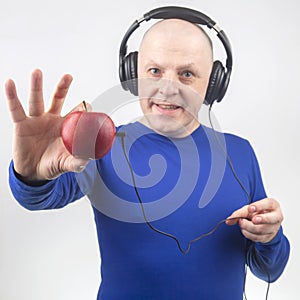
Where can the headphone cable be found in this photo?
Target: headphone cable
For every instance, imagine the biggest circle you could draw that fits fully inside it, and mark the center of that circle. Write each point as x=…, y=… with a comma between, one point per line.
x=258, y=259
x=149, y=224
x=187, y=250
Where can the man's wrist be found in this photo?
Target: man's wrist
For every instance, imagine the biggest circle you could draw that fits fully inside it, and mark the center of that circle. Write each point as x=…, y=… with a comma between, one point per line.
x=28, y=181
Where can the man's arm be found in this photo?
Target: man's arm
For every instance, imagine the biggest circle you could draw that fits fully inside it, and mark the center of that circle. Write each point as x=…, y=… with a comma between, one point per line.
x=50, y=194
x=269, y=249
x=268, y=260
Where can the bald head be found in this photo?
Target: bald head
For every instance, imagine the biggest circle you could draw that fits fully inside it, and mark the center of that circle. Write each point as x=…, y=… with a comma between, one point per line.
x=174, y=32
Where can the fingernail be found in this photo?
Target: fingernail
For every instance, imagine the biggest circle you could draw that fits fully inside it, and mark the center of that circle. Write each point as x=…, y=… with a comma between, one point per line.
x=252, y=208
x=79, y=168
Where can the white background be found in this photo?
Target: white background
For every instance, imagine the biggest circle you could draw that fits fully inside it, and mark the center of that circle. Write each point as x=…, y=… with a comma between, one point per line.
x=53, y=254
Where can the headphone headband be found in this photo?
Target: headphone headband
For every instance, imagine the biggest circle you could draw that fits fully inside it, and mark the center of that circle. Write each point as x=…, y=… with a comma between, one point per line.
x=175, y=12
x=170, y=12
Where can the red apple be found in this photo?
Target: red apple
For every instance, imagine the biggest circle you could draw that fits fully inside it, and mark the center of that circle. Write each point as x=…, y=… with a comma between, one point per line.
x=88, y=135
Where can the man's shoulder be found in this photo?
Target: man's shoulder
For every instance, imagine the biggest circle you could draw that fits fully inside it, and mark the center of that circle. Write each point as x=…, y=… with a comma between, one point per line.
x=228, y=137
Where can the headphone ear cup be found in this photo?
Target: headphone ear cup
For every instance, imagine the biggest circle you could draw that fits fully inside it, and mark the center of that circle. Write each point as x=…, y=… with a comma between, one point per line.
x=215, y=90
x=129, y=73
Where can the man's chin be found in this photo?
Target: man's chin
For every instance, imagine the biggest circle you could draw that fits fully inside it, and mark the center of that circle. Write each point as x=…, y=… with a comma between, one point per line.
x=165, y=126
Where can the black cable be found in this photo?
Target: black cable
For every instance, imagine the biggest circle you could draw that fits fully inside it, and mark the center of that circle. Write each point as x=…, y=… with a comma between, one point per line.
x=258, y=259
x=244, y=289
x=184, y=251
x=263, y=266
x=227, y=156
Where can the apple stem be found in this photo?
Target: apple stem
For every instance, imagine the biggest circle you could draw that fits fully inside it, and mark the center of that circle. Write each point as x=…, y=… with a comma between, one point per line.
x=84, y=105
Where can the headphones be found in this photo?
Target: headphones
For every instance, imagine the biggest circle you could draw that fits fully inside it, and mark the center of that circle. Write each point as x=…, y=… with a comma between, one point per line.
x=219, y=77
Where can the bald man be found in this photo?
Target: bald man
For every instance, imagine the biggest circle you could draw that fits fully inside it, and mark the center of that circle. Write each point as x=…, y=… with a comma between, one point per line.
x=145, y=192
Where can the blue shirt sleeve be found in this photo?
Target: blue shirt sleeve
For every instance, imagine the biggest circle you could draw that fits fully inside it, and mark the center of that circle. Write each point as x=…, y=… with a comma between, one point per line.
x=52, y=194
x=267, y=261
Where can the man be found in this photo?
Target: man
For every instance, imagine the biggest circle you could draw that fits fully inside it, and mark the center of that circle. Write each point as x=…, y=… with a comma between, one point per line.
x=174, y=64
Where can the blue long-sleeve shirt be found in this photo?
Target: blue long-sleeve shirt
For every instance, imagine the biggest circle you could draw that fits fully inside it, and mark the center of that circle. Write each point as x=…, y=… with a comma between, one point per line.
x=186, y=187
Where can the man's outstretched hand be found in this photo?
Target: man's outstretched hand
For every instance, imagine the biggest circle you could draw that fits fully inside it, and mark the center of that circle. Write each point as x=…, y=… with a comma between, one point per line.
x=38, y=150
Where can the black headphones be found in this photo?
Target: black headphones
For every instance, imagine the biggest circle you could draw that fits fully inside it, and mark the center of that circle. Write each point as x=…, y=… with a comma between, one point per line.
x=219, y=77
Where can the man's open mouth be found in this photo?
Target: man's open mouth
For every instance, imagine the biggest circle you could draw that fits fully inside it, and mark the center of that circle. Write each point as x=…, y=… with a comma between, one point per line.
x=167, y=107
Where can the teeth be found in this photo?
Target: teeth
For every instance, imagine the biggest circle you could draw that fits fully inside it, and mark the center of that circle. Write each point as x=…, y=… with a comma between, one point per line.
x=170, y=107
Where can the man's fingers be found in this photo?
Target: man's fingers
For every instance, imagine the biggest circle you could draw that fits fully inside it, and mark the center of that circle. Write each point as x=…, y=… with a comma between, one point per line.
x=264, y=205
x=273, y=217
x=257, y=232
x=258, y=229
x=240, y=213
x=60, y=94
x=14, y=105
x=36, y=101
x=256, y=237
x=266, y=211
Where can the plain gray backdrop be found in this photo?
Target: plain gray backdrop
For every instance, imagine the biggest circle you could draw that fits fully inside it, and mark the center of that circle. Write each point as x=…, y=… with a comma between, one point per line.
x=54, y=254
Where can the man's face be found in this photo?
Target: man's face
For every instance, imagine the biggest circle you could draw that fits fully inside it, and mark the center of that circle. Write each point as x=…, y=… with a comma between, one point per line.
x=174, y=65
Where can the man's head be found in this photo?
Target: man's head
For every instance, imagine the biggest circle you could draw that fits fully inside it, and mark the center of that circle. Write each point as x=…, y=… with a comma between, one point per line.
x=174, y=65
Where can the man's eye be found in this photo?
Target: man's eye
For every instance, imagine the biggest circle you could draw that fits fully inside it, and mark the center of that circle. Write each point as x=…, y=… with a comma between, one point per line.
x=187, y=74
x=154, y=71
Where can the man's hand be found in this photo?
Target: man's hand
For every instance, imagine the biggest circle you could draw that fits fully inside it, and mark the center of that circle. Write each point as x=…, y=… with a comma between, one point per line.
x=260, y=221
x=38, y=150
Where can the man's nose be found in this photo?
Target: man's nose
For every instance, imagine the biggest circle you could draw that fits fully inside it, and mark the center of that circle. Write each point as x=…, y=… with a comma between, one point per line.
x=169, y=86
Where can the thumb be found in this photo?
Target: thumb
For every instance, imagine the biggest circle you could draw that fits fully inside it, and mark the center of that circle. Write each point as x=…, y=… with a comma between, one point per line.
x=239, y=213
x=74, y=164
